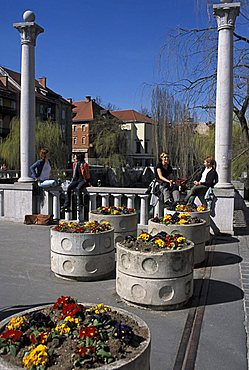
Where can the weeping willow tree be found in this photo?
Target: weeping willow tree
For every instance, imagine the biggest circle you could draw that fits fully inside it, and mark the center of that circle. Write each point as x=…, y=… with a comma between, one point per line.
x=48, y=134
x=240, y=161
x=205, y=146
x=173, y=132
x=110, y=142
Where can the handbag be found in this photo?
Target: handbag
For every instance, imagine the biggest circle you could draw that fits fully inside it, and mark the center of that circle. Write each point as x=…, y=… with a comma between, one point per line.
x=38, y=219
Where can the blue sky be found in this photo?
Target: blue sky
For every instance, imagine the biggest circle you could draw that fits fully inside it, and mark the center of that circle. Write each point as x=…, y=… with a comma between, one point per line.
x=105, y=48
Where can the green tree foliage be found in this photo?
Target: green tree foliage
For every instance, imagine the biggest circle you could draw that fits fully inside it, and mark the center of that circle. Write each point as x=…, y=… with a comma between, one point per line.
x=110, y=141
x=10, y=147
x=48, y=134
x=240, y=152
x=204, y=144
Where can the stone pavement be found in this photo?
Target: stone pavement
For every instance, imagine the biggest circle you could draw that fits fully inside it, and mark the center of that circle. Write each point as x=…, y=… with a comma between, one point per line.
x=210, y=333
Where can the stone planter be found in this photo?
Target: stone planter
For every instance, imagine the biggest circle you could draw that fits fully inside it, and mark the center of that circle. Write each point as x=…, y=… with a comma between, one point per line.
x=140, y=361
x=82, y=256
x=193, y=232
x=155, y=280
x=123, y=224
x=204, y=215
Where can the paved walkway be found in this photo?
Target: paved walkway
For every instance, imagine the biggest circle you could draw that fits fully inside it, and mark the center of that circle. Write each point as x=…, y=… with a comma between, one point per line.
x=208, y=334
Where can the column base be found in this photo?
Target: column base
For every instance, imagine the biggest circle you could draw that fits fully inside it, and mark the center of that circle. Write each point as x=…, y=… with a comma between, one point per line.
x=222, y=210
x=25, y=179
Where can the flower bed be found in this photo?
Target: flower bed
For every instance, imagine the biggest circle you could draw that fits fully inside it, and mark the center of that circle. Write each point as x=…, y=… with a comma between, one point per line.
x=193, y=228
x=115, y=210
x=146, y=242
x=91, y=227
x=122, y=219
x=201, y=212
x=68, y=335
x=82, y=251
x=177, y=219
x=155, y=272
x=187, y=208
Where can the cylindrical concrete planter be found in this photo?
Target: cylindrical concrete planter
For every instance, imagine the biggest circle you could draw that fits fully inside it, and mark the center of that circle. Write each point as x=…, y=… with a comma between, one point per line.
x=140, y=361
x=82, y=256
x=156, y=280
x=123, y=225
x=193, y=232
x=204, y=215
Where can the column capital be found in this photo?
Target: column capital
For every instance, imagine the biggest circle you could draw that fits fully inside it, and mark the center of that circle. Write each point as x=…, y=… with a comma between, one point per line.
x=226, y=14
x=29, y=32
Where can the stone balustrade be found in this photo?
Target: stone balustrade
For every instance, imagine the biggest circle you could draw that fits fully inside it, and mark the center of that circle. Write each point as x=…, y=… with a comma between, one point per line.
x=107, y=196
x=9, y=174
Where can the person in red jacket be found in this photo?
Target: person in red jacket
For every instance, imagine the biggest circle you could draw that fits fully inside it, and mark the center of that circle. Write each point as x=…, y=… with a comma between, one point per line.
x=206, y=179
x=80, y=180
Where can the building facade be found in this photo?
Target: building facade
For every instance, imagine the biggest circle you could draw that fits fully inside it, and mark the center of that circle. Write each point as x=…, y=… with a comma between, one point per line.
x=140, y=136
x=49, y=105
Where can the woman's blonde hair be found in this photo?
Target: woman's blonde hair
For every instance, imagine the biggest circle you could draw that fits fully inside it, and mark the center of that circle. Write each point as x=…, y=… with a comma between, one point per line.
x=163, y=154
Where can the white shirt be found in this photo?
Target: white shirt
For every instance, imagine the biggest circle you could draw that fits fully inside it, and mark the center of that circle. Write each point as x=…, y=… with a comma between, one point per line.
x=204, y=174
x=45, y=171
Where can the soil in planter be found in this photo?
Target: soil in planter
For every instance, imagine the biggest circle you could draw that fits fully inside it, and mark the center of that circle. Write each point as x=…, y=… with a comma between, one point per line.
x=142, y=246
x=64, y=351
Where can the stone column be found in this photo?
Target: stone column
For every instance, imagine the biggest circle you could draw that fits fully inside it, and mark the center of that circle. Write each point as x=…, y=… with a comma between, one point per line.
x=226, y=14
x=29, y=31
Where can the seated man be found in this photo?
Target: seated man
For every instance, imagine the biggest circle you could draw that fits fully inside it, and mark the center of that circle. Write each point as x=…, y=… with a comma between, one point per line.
x=164, y=175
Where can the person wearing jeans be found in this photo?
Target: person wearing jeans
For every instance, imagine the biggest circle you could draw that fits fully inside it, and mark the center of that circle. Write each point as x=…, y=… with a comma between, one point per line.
x=80, y=180
x=164, y=175
x=206, y=179
x=40, y=171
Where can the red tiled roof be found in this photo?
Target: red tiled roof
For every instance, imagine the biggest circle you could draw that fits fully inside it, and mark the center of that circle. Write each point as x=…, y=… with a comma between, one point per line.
x=83, y=111
x=16, y=76
x=131, y=115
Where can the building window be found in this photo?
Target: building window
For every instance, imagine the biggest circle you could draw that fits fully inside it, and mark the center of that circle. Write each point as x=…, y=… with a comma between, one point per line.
x=1, y=101
x=41, y=109
x=83, y=128
x=146, y=147
x=63, y=114
x=1, y=126
x=138, y=147
x=13, y=104
x=75, y=140
x=83, y=140
x=74, y=128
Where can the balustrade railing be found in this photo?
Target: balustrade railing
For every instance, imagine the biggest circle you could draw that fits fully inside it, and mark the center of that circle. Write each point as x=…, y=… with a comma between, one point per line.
x=9, y=174
x=108, y=196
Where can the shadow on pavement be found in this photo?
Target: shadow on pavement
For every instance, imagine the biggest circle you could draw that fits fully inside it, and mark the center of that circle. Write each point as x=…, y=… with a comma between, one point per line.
x=12, y=310
x=223, y=238
x=218, y=292
x=222, y=259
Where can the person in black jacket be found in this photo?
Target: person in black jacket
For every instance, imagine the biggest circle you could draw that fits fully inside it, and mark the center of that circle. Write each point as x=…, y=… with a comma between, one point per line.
x=206, y=179
x=80, y=180
x=164, y=176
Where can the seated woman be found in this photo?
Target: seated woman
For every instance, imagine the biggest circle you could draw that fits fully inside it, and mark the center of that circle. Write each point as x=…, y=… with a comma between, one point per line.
x=206, y=179
x=40, y=171
x=164, y=175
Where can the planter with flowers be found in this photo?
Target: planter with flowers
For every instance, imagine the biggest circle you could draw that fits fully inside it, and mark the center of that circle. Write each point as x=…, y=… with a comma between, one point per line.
x=155, y=272
x=122, y=219
x=82, y=251
x=196, y=211
x=69, y=335
x=193, y=228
